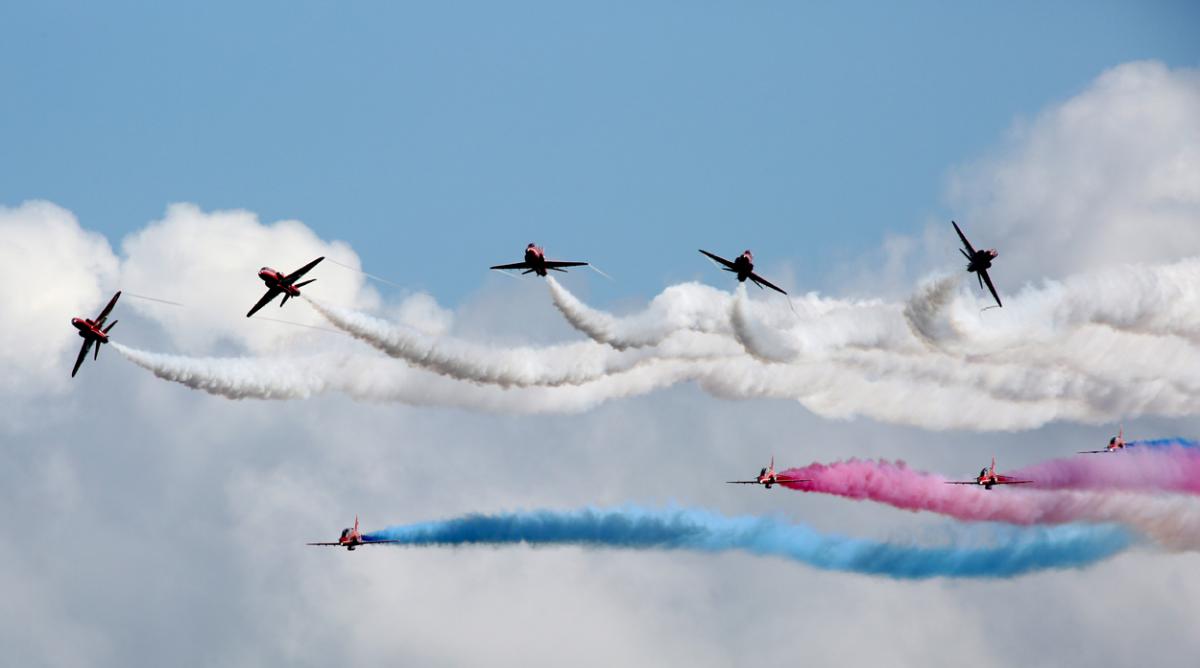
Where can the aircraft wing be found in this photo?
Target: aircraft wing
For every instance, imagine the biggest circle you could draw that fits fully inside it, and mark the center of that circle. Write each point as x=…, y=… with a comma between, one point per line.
x=962, y=482
x=742, y=482
x=1010, y=481
x=718, y=258
x=964, y=238
x=515, y=265
x=377, y=542
x=83, y=351
x=760, y=281
x=108, y=309
x=329, y=544
x=790, y=480
x=271, y=294
x=303, y=270
x=1094, y=452
x=988, y=279
x=555, y=264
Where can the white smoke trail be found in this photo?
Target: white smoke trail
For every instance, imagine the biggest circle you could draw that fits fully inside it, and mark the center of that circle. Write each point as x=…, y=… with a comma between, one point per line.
x=372, y=378
x=689, y=306
x=828, y=388
x=564, y=364
x=935, y=362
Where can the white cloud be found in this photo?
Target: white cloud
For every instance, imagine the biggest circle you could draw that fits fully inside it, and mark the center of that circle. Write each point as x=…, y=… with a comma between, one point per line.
x=1111, y=175
x=52, y=271
x=209, y=262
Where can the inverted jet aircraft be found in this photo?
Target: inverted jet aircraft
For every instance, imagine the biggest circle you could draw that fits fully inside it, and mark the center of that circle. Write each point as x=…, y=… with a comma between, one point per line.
x=978, y=261
x=277, y=283
x=1115, y=443
x=352, y=538
x=536, y=262
x=91, y=332
x=766, y=477
x=743, y=266
x=988, y=478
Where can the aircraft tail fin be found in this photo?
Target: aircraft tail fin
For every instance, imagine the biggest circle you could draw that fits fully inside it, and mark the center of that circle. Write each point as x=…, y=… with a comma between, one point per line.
x=285, y=298
x=304, y=283
x=96, y=355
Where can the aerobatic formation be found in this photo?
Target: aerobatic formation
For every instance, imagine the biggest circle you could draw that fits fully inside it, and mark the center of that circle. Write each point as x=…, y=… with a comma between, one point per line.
x=925, y=362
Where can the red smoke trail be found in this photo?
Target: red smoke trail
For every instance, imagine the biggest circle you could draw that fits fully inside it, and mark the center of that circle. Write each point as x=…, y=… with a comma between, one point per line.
x=897, y=485
x=1172, y=521
x=1163, y=469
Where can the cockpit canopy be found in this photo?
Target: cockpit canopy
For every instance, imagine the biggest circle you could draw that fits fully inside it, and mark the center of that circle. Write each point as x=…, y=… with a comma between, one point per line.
x=346, y=532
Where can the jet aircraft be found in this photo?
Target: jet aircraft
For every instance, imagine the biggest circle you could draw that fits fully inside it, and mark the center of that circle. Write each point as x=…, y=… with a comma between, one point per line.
x=743, y=266
x=1115, y=443
x=352, y=538
x=278, y=283
x=91, y=332
x=536, y=262
x=766, y=477
x=988, y=477
x=978, y=261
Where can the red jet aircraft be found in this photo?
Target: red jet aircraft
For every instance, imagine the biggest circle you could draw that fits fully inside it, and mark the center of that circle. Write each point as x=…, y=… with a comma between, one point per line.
x=988, y=477
x=743, y=266
x=351, y=538
x=766, y=477
x=536, y=262
x=91, y=332
x=978, y=261
x=278, y=283
x=1115, y=443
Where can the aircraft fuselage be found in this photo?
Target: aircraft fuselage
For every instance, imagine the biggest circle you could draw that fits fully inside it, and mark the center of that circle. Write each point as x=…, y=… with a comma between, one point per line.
x=350, y=538
x=982, y=260
x=743, y=266
x=277, y=281
x=536, y=259
x=88, y=329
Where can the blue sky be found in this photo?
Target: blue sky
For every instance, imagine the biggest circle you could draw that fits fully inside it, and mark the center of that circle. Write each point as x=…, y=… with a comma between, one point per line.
x=440, y=138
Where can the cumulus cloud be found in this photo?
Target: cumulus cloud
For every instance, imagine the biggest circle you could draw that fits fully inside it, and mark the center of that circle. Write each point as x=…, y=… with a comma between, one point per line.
x=209, y=261
x=53, y=270
x=1111, y=175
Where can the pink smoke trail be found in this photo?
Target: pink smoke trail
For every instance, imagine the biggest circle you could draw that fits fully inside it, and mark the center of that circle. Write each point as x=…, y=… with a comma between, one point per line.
x=1173, y=522
x=1163, y=469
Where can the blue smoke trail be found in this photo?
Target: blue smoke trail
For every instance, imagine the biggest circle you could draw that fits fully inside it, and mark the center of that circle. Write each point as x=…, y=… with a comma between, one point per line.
x=1012, y=550
x=1165, y=442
